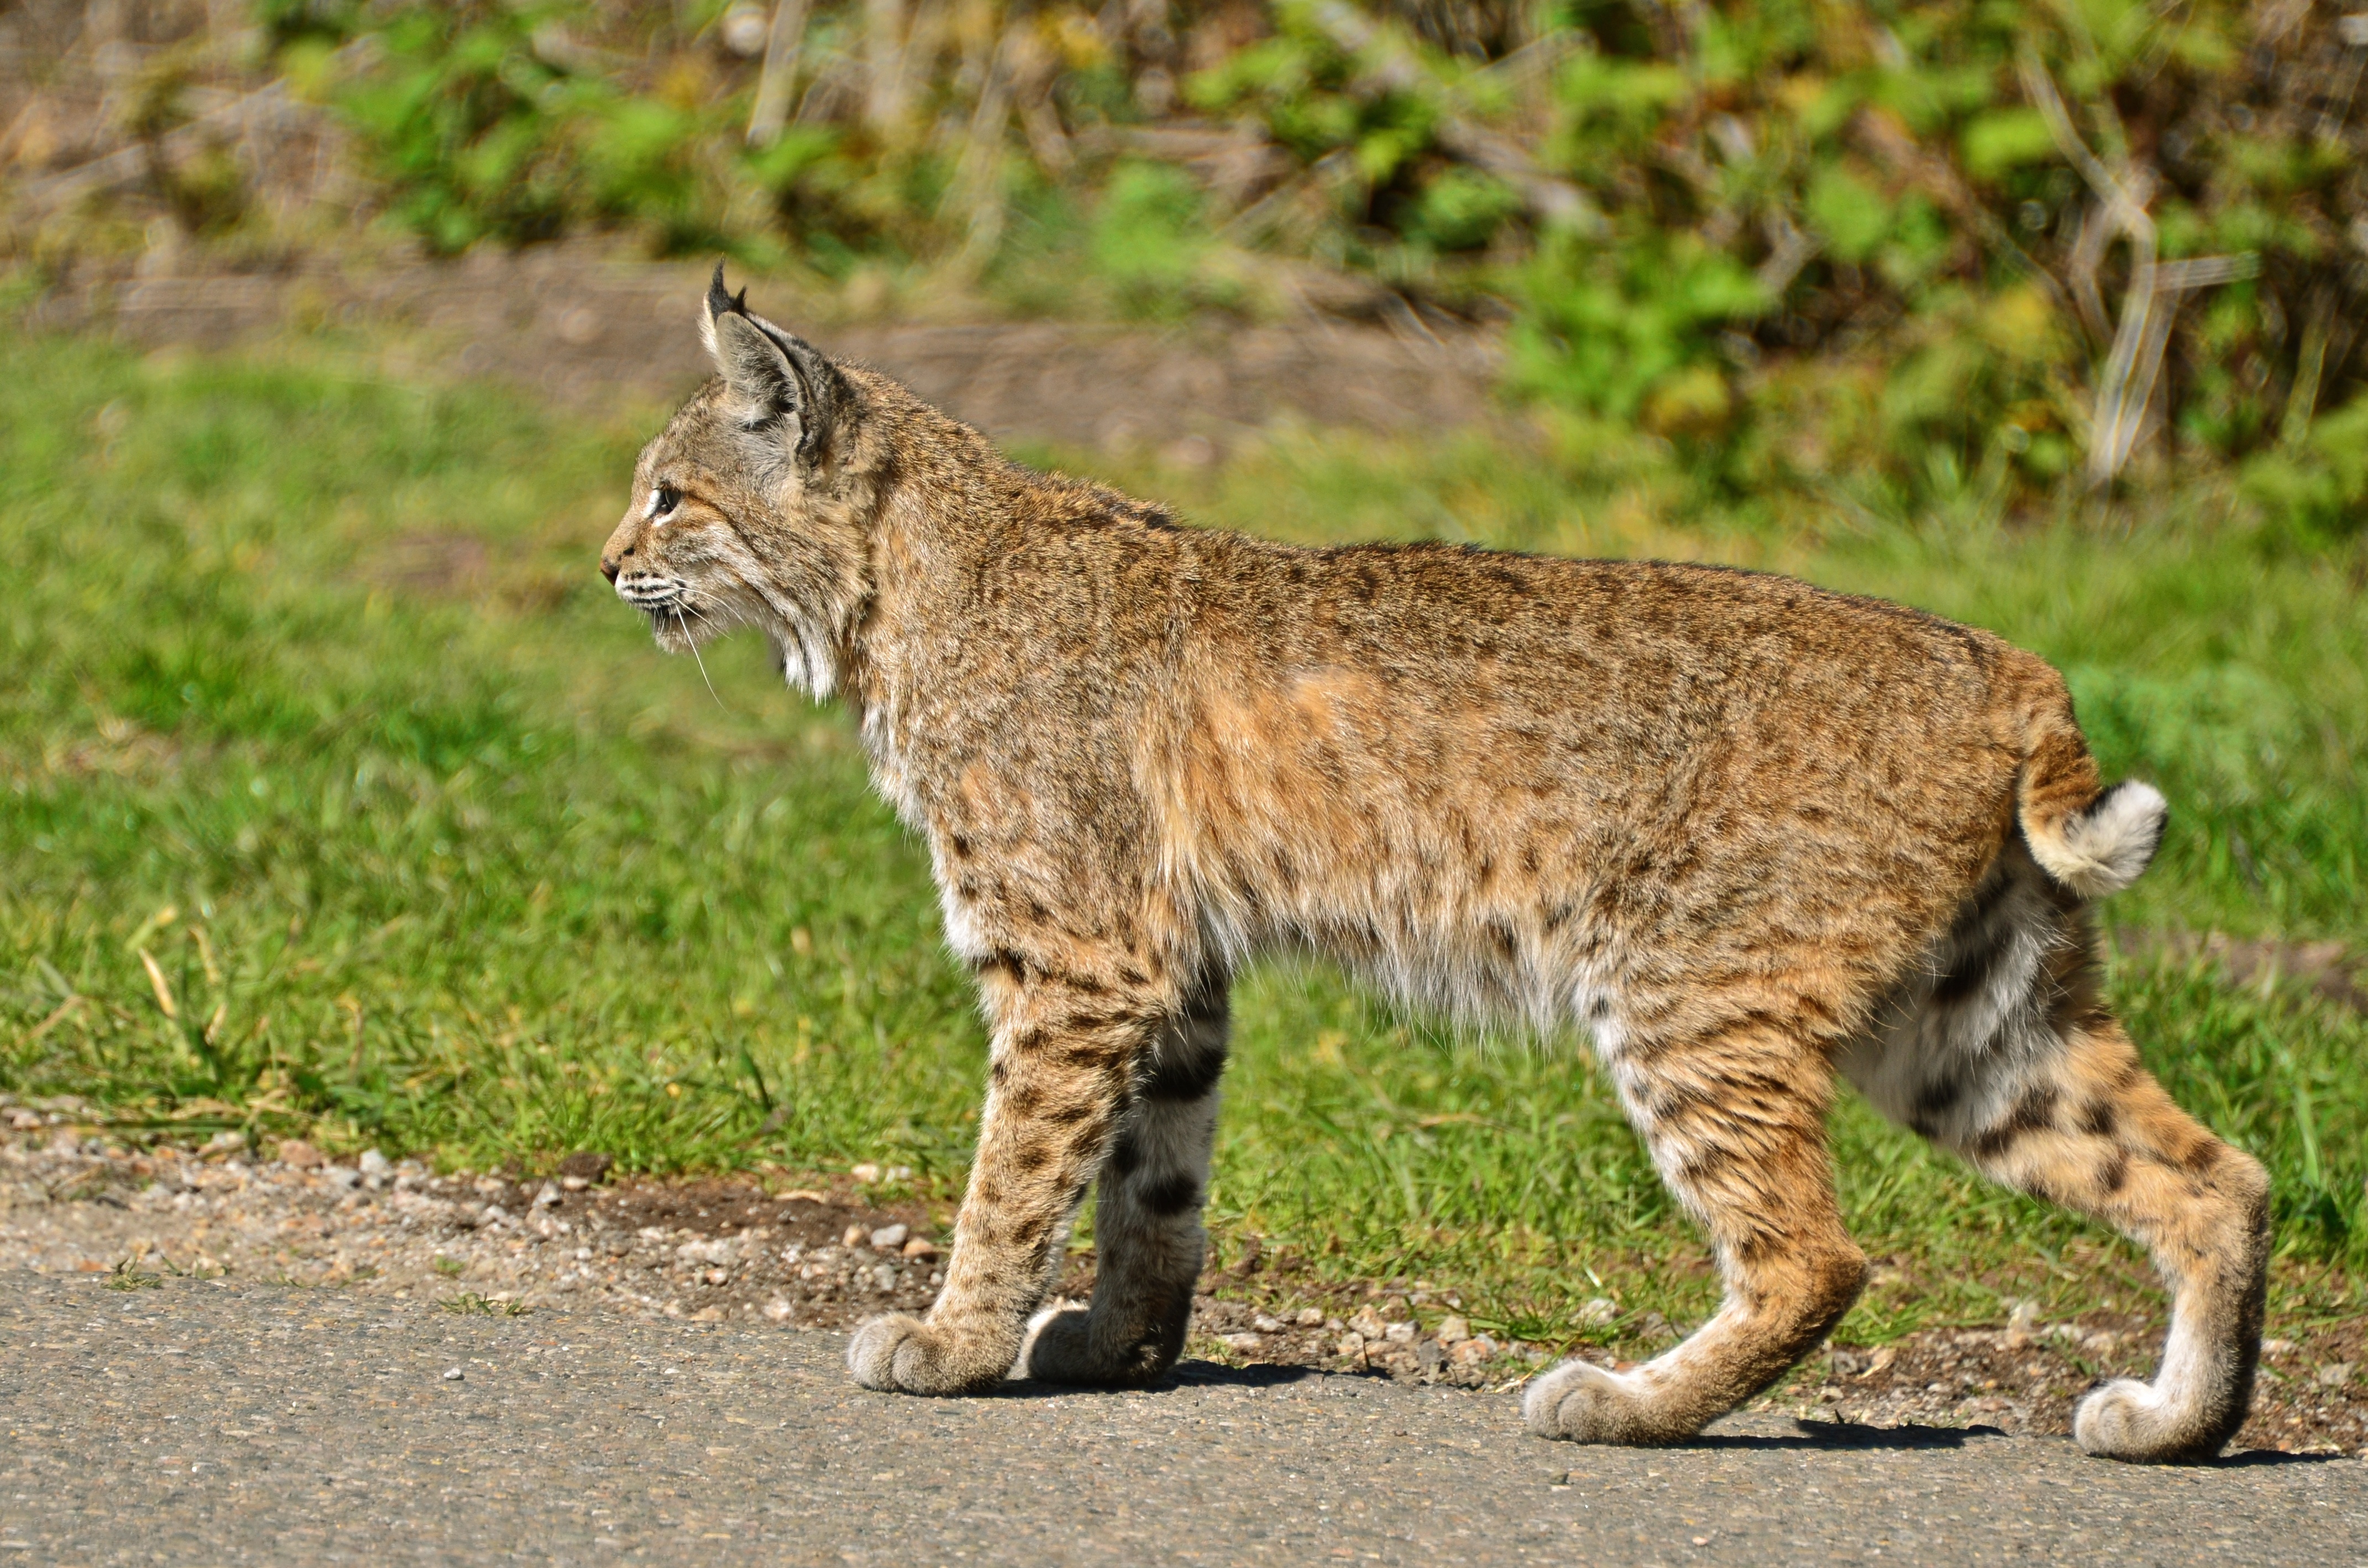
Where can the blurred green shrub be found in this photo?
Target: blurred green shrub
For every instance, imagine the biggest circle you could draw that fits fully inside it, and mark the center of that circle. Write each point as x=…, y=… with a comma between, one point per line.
x=1915, y=246
x=2321, y=489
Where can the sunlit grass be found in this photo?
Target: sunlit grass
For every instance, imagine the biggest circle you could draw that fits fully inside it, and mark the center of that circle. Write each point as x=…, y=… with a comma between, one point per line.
x=340, y=796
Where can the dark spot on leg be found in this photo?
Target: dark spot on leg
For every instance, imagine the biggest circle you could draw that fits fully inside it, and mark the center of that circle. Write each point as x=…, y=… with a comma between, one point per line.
x=1182, y=1074
x=1126, y=1156
x=2034, y=1112
x=1969, y=968
x=2116, y=1173
x=2099, y=1119
x=1934, y=1100
x=1170, y=1196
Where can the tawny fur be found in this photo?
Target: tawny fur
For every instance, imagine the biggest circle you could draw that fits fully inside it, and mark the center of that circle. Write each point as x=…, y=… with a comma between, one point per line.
x=1739, y=833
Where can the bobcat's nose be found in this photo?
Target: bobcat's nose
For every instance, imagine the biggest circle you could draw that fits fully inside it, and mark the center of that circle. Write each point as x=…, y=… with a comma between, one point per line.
x=609, y=567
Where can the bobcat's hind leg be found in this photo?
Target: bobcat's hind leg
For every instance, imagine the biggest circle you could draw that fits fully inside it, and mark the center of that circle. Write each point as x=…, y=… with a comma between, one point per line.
x=2007, y=1058
x=2093, y=1132
x=1147, y=1238
x=1737, y=1125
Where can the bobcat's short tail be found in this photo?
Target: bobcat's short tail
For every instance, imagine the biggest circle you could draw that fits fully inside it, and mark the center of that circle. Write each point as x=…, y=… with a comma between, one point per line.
x=2093, y=840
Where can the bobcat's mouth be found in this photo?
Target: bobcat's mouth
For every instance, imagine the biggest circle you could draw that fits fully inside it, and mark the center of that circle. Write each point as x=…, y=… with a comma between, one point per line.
x=652, y=594
x=676, y=618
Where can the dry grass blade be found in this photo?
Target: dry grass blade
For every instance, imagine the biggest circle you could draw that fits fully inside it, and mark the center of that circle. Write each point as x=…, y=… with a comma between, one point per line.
x=156, y=982
x=65, y=1010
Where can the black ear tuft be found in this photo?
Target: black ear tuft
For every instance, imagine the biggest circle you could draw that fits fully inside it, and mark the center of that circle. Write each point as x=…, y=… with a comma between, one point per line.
x=771, y=374
x=722, y=301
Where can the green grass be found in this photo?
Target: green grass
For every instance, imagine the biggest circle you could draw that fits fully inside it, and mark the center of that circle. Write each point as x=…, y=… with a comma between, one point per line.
x=452, y=862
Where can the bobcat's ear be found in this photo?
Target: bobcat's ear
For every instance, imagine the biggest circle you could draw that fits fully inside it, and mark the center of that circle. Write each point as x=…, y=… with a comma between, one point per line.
x=773, y=377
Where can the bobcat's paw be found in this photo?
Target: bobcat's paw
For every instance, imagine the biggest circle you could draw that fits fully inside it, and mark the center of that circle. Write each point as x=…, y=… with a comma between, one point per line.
x=898, y=1354
x=1063, y=1349
x=1581, y=1403
x=2136, y=1422
x=1057, y=1349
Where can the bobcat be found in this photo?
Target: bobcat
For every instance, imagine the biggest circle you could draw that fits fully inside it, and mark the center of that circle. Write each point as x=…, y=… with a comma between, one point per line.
x=1743, y=834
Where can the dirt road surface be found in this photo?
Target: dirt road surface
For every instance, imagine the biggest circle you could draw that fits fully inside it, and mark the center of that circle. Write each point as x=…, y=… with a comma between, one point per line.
x=211, y=1421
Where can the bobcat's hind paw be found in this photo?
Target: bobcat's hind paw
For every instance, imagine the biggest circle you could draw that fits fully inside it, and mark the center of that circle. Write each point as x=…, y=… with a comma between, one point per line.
x=2134, y=1422
x=1580, y=1402
x=899, y=1354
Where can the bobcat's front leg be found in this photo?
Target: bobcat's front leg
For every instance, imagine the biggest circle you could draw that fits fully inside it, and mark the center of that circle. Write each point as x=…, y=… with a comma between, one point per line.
x=1147, y=1238
x=1064, y=1045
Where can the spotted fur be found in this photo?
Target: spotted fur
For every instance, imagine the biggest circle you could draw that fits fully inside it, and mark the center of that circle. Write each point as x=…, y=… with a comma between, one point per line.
x=1739, y=834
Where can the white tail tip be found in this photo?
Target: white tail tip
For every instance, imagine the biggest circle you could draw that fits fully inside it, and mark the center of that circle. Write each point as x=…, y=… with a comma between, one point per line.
x=2104, y=849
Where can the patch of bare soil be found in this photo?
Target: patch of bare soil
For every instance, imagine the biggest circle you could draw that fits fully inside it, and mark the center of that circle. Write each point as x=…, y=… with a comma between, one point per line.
x=830, y=1253
x=586, y=324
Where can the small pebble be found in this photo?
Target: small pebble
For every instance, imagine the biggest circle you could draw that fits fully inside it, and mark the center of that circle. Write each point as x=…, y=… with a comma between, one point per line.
x=297, y=1154
x=853, y=1238
x=373, y=1164
x=1454, y=1330
x=453, y=1375
x=918, y=1247
x=888, y=1238
x=1309, y=1317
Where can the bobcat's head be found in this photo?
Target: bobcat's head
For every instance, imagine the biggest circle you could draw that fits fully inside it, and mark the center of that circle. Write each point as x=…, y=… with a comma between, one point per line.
x=747, y=510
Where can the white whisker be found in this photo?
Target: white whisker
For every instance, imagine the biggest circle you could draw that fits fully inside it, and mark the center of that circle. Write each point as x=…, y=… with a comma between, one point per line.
x=684, y=626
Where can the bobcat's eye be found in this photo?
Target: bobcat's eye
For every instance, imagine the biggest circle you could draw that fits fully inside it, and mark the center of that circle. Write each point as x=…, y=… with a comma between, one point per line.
x=664, y=500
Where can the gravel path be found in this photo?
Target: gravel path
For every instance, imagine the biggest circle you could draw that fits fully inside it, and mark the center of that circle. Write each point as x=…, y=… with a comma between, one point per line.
x=211, y=1421
x=828, y=1252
